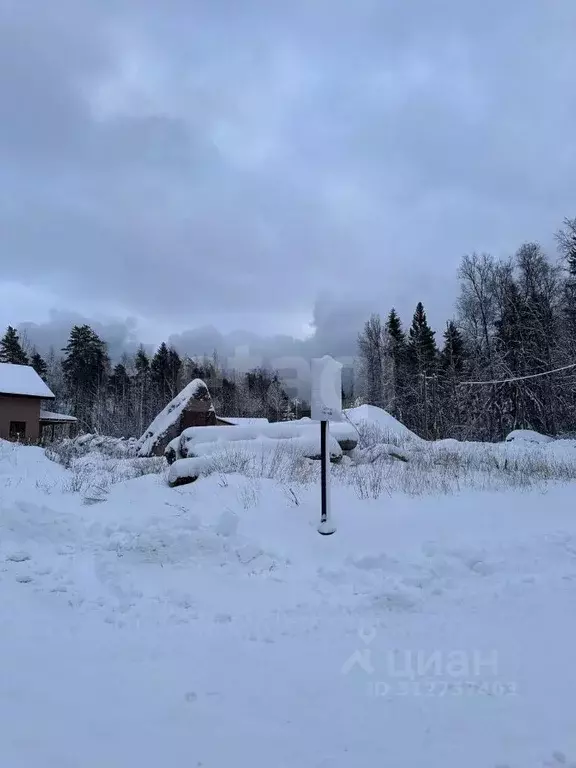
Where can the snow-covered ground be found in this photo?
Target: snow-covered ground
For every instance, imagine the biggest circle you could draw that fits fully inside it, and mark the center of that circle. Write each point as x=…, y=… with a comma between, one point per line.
x=210, y=625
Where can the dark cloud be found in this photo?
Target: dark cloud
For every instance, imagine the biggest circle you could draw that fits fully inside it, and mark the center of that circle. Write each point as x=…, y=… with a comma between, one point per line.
x=119, y=335
x=226, y=163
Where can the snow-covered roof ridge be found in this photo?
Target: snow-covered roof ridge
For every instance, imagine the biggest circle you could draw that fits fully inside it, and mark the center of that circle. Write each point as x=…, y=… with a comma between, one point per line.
x=22, y=380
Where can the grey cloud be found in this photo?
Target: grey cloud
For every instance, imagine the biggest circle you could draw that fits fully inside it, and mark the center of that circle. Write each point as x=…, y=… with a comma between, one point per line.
x=183, y=160
x=120, y=335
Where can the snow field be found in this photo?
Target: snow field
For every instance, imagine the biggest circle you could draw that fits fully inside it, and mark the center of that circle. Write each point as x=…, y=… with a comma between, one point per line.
x=211, y=625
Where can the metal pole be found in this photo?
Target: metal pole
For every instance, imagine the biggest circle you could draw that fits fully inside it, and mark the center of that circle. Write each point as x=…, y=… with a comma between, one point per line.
x=326, y=526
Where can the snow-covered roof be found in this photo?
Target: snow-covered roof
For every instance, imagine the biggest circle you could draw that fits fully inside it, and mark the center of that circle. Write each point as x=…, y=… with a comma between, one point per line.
x=50, y=416
x=22, y=380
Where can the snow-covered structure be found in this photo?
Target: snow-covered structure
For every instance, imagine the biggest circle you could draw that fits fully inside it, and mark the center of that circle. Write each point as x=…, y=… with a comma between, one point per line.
x=192, y=407
x=21, y=394
x=303, y=436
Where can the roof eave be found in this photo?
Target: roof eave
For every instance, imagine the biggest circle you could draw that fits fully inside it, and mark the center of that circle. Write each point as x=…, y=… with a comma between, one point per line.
x=33, y=397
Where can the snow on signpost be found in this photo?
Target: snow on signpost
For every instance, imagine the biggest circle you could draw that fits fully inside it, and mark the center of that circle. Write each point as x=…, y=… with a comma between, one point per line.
x=326, y=407
x=326, y=389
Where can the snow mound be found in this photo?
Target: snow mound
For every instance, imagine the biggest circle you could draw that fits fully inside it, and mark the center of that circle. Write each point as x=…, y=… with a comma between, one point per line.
x=378, y=418
x=166, y=426
x=184, y=471
x=304, y=440
x=528, y=435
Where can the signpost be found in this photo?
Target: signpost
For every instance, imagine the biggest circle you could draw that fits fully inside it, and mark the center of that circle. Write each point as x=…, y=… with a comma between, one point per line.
x=326, y=407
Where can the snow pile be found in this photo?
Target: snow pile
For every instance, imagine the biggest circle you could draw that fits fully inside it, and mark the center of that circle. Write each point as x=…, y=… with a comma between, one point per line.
x=528, y=435
x=377, y=425
x=183, y=471
x=167, y=421
x=203, y=450
x=197, y=440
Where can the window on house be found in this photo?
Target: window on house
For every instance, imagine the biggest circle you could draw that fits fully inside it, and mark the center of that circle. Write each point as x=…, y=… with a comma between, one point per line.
x=17, y=430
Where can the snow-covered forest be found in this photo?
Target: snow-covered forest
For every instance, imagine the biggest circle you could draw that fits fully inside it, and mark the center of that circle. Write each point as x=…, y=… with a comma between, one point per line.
x=121, y=399
x=514, y=318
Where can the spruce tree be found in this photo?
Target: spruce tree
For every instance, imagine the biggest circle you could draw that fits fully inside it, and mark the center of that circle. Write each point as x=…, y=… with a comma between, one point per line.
x=160, y=376
x=11, y=349
x=39, y=364
x=143, y=398
x=142, y=363
x=398, y=352
x=453, y=353
x=119, y=381
x=85, y=366
x=174, y=370
x=422, y=367
x=396, y=335
x=422, y=345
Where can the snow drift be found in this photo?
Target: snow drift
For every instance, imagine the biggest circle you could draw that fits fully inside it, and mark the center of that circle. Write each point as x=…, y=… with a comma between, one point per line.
x=376, y=418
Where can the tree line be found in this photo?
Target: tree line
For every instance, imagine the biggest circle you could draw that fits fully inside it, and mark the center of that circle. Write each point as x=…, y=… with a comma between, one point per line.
x=121, y=400
x=515, y=317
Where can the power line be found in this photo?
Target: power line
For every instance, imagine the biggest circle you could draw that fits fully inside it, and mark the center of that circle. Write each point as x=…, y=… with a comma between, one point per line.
x=518, y=378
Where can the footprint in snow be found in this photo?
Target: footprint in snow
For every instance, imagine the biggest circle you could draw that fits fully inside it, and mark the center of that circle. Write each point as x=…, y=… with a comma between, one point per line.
x=18, y=557
x=396, y=601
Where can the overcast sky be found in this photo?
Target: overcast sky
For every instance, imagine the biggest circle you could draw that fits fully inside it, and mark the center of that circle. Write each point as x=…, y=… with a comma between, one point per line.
x=198, y=168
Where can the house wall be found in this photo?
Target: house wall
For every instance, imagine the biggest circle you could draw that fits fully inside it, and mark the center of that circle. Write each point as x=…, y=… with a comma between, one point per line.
x=25, y=409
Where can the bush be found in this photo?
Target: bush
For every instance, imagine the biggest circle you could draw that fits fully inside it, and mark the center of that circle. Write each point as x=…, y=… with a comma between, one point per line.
x=69, y=449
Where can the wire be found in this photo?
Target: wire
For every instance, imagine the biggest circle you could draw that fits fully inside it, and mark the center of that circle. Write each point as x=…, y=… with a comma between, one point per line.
x=352, y=424
x=518, y=378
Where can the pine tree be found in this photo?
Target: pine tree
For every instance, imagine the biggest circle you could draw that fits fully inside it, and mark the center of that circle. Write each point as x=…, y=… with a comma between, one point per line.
x=398, y=353
x=160, y=376
x=174, y=371
x=143, y=398
x=141, y=362
x=422, y=345
x=119, y=382
x=396, y=335
x=453, y=353
x=39, y=364
x=85, y=367
x=278, y=402
x=422, y=358
x=11, y=350
x=450, y=396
